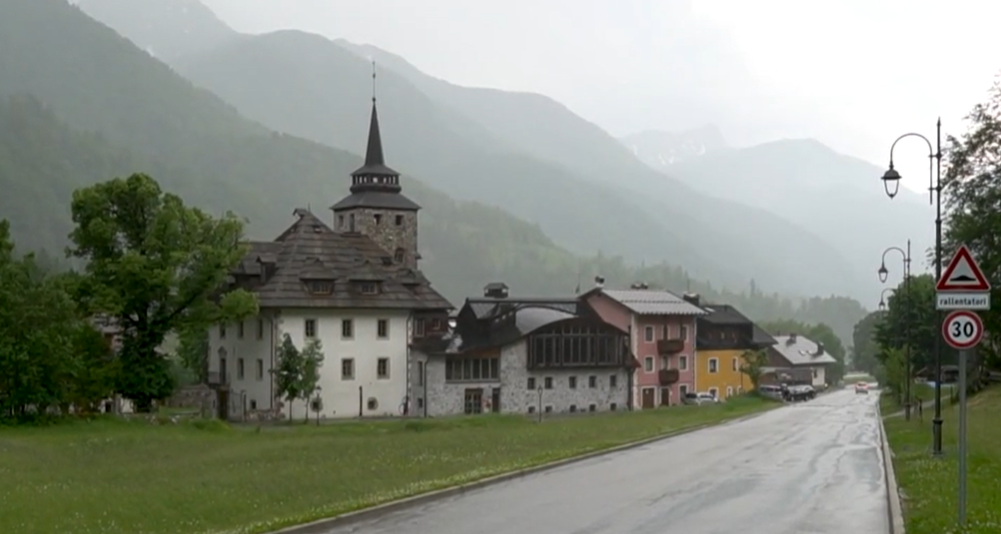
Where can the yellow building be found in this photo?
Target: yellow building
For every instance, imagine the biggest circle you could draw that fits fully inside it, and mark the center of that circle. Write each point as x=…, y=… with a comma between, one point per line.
x=722, y=338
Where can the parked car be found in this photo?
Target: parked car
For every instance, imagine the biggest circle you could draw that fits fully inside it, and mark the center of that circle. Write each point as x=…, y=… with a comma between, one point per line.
x=799, y=393
x=699, y=399
x=861, y=388
x=771, y=391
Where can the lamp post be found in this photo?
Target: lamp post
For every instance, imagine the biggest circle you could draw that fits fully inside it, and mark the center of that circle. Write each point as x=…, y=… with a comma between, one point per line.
x=883, y=272
x=882, y=298
x=891, y=179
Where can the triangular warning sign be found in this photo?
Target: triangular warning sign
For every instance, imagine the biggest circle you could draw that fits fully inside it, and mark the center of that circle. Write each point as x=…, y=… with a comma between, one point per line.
x=963, y=274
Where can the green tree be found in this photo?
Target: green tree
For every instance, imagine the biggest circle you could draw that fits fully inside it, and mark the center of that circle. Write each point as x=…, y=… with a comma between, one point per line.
x=94, y=369
x=865, y=349
x=156, y=266
x=893, y=372
x=312, y=361
x=914, y=314
x=288, y=373
x=754, y=362
x=192, y=351
x=818, y=333
x=36, y=324
x=972, y=193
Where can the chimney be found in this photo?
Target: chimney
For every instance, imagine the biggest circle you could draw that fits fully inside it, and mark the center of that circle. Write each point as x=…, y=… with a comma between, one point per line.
x=820, y=349
x=639, y=285
x=692, y=298
x=599, y=281
x=497, y=290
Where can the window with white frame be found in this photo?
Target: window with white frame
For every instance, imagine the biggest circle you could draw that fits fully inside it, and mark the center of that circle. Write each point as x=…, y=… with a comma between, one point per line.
x=713, y=365
x=683, y=363
x=648, y=334
x=648, y=364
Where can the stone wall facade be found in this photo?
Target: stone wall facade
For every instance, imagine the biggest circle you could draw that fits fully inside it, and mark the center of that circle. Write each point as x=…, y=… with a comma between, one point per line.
x=380, y=225
x=449, y=397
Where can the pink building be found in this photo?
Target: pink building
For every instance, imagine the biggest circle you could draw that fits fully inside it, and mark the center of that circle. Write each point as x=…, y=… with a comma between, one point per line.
x=661, y=328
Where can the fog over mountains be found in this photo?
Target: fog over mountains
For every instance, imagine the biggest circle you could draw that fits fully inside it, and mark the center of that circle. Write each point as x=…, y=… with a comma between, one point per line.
x=791, y=217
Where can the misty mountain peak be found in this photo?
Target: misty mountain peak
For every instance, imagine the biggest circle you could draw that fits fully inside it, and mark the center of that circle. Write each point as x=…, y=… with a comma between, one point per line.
x=660, y=149
x=164, y=28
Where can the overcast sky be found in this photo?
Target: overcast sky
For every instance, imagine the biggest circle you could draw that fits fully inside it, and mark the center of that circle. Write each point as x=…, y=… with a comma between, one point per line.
x=854, y=74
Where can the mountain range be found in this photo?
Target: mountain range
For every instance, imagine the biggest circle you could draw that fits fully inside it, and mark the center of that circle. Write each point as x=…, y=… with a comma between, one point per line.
x=249, y=123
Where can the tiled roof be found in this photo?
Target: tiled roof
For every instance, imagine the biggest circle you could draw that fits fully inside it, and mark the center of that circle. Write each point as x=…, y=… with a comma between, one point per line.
x=310, y=250
x=653, y=302
x=798, y=350
x=721, y=314
x=760, y=337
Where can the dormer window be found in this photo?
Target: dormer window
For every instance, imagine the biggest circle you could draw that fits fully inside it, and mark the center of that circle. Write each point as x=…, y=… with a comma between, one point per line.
x=368, y=288
x=325, y=287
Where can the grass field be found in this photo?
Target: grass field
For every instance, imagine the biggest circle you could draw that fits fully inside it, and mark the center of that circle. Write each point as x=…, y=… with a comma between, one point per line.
x=888, y=402
x=113, y=476
x=930, y=485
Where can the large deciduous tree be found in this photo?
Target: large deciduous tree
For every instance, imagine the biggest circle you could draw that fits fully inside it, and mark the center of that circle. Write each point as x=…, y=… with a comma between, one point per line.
x=972, y=190
x=157, y=266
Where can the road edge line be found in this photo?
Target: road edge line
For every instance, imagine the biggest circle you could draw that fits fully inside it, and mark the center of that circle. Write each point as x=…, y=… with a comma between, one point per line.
x=894, y=511
x=322, y=526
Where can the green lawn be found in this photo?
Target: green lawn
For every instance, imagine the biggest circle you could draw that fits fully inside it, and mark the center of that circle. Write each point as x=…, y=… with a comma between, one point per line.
x=888, y=401
x=930, y=485
x=112, y=476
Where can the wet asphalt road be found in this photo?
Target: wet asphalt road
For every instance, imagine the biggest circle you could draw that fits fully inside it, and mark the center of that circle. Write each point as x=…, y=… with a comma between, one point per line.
x=809, y=468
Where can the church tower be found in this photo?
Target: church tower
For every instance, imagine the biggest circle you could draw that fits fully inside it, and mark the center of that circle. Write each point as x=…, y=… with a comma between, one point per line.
x=376, y=206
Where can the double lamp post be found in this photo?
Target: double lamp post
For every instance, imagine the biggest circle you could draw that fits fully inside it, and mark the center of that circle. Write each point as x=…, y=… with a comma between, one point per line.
x=891, y=183
x=883, y=273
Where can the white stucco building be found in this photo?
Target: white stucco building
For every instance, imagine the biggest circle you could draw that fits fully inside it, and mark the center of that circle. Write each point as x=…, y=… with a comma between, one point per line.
x=353, y=285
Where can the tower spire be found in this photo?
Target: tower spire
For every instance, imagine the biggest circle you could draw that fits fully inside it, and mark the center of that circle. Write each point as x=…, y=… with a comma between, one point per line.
x=374, y=175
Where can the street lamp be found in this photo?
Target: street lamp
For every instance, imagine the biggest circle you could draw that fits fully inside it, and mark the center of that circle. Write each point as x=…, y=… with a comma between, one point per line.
x=891, y=183
x=906, y=255
x=882, y=298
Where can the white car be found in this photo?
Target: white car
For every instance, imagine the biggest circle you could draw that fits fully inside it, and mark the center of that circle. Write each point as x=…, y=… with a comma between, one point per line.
x=861, y=388
x=700, y=398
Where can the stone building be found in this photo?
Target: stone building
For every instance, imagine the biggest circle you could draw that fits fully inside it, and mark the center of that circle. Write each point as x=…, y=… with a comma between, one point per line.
x=523, y=355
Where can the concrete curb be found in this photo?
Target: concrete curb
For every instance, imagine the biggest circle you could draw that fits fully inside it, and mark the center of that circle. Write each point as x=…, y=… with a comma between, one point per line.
x=324, y=525
x=895, y=513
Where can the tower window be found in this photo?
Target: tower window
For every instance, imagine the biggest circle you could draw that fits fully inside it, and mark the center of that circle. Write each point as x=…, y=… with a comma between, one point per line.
x=340, y=222
x=378, y=218
x=400, y=255
x=351, y=221
x=399, y=220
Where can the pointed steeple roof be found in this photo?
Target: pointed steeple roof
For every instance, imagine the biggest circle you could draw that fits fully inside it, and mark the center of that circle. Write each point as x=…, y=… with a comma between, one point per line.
x=375, y=162
x=374, y=184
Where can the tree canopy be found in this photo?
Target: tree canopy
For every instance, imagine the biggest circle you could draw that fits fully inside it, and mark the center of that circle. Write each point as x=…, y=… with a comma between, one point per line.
x=972, y=193
x=155, y=266
x=912, y=315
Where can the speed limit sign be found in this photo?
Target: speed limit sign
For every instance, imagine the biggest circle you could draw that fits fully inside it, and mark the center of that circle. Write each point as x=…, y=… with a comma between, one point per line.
x=962, y=329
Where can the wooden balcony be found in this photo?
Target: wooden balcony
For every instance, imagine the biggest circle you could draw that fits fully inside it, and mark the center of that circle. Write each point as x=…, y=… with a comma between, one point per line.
x=668, y=376
x=666, y=347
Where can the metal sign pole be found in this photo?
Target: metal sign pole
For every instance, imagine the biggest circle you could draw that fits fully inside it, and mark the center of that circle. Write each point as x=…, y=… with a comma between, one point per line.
x=963, y=358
